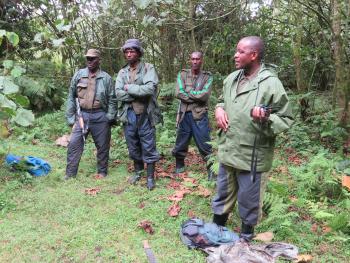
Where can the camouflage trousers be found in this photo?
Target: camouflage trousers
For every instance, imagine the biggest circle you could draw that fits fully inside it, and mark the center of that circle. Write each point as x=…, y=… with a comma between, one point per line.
x=235, y=185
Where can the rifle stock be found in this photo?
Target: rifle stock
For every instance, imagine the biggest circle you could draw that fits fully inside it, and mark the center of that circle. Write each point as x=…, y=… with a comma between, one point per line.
x=80, y=119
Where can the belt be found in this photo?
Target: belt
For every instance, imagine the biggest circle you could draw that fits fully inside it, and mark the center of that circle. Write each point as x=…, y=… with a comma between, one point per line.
x=92, y=110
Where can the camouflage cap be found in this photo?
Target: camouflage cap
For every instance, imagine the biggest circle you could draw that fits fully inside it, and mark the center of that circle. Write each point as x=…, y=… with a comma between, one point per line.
x=93, y=53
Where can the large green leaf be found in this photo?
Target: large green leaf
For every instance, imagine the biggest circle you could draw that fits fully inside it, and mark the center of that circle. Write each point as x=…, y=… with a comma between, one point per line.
x=6, y=103
x=8, y=64
x=24, y=117
x=7, y=113
x=21, y=100
x=17, y=71
x=142, y=4
x=7, y=85
x=13, y=38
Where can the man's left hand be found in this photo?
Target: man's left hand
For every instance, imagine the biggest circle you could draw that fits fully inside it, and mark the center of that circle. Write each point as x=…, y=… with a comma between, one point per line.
x=126, y=87
x=260, y=114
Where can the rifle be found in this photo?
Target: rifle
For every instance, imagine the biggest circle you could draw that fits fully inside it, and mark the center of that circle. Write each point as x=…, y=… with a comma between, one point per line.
x=178, y=113
x=80, y=119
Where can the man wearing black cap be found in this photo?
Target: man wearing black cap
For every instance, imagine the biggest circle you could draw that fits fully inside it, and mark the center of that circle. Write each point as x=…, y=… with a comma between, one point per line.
x=136, y=90
x=91, y=90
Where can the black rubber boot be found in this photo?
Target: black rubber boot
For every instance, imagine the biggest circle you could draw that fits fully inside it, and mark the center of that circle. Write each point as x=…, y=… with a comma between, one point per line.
x=138, y=169
x=150, y=176
x=247, y=233
x=180, y=166
x=220, y=220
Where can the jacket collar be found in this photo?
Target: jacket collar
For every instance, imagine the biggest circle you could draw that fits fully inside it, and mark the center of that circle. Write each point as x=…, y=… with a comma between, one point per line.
x=139, y=68
x=263, y=74
x=85, y=73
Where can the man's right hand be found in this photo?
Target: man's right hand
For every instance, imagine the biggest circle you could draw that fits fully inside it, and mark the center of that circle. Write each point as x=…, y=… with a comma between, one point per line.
x=221, y=118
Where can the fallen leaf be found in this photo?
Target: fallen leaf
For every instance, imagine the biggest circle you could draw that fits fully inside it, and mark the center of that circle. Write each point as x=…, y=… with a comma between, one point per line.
x=118, y=191
x=190, y=180
x=147, y=226
x=283, y=170
x=326, y=229
x=264, y=237
x=92, y=191
x=98, y=176
x=179, y=195
x=142, y=205
x=346, y=181
x=202, y=191
x=173, y=185
x=293, y=199
x=117, y=161
x=314, y=227
x=63, y=141
x=174, y=209
x=191, y=214
x=35, y=142
x=302, y=258
x=98, y=249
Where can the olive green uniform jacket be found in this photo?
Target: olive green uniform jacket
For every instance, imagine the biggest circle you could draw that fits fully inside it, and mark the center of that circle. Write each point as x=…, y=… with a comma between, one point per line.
x=104, y=90
x=236, y=145
x=143, y=88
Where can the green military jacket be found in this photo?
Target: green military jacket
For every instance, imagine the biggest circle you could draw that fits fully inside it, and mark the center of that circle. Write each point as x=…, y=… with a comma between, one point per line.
x=143, y=88
x=193, y=93
x=235, y=146
x=105, y=94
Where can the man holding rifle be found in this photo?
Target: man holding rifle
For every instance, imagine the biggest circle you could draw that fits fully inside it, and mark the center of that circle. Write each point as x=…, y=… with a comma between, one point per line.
x=254, y=108
x=91, y=107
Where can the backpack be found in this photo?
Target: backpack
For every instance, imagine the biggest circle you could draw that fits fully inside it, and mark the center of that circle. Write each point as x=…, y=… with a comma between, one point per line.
x=34, y=165
x=195, y=233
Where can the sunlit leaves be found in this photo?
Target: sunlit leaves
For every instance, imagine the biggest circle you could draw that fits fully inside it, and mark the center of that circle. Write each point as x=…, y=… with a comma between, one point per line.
x=7, y=86
x=38, y=37
x=58, y=42
x=8, y=64
x=13, y=38
x=142, y=4
x=6, y=103
x=17, y=71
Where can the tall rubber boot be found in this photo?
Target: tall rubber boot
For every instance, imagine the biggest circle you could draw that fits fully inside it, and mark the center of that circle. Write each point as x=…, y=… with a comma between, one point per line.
x=220, y=220
x=247, y=232
x=138, y=169
x=179, y=166
x=150, y=176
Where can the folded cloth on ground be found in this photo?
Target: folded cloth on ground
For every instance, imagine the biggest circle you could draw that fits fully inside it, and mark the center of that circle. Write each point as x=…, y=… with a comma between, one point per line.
x=34, y=165
x=195, y=233
x=242, y=252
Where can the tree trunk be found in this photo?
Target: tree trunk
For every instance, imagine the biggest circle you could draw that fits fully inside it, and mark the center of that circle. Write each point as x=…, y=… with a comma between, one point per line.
x=340, y=91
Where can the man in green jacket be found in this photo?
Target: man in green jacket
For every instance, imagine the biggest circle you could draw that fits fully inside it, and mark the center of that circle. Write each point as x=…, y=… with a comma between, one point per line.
x=254, y=109
x=93, y=90
x=136, y=89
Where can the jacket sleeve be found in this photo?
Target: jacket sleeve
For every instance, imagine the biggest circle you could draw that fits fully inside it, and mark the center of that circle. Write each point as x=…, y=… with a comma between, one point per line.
x=112, y=100
x=180, y=91
x=281, y=117
x=71, y=105
x=203, y=94
x=148, y=88
x=121, y=94
x=221, y=99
